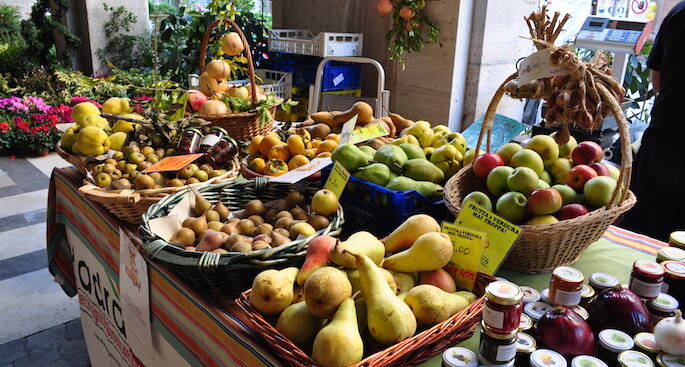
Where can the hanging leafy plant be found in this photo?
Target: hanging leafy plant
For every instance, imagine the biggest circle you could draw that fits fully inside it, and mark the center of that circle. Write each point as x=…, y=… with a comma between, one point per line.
x=411, y=28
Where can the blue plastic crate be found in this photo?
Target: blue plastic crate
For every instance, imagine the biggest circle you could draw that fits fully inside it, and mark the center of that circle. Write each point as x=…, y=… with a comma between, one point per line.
x=339, y=76
x=379, y=210
x=303, y=72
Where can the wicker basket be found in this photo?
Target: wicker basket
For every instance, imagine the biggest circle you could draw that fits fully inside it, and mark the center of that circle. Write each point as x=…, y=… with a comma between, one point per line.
x=408, y=352
x=130, y=205
x=245, y=125
x=541, y=248
x=230, y=273
x=82, y=163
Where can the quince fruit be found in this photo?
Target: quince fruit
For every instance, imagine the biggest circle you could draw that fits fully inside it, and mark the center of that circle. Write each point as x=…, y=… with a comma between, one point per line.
x=91, y=141
x=117, y=141
x=116, y=106
x=69, y=137
x=126, y=126
x=95, y=120
x=83, y=110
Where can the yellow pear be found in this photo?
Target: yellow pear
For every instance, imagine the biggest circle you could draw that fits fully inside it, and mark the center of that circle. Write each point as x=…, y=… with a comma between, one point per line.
x=272, y=290
x=432, y=305
x=83, y=110
x=361, y=243
x=339, y=343
x=431, y=251
x=412, y=228
x=298, y=325
x=355, y=279
x=404, y=281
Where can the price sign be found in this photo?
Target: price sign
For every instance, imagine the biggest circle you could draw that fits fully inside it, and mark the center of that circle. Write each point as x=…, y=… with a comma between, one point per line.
x=347, y=129
x=465, y=262
x=537, y=66
x=173, y=163
x=337, y=179
x=372, y=131
x=302, y=172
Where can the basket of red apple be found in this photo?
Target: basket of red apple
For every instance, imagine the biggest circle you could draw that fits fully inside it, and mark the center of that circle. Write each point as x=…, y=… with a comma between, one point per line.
x=561, y=195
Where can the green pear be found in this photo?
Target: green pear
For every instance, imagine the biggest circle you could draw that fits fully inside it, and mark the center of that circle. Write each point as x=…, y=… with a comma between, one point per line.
x=388, y=318
x=339, y=343
x=273, y=290
x=432, y=305
x=431, y=251
x=298, y=325
x=362, y=243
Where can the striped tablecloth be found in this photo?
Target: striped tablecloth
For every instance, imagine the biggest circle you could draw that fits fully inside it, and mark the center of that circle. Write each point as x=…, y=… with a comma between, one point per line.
x=205, y=330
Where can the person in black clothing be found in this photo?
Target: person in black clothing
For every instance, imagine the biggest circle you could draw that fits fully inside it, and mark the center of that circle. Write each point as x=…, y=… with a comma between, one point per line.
x=658, y=178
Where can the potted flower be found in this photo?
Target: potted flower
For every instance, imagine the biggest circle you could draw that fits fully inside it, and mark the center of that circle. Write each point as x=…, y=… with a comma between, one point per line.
x=28, y=125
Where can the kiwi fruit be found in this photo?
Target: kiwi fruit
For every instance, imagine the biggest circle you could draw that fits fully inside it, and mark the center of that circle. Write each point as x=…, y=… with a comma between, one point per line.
x=270, y=215
x=262, y=237
x=256, y=219
x=184, y=236
x=264, y=228
x=318, y=221
x=190, y=248
x=284, y=223
x=245, y=227
x=229, y=228
x=215, y=225
x=284, y=214
x=294, y=198
x=259, y=245
x=223, y=211
x=255, y=207
x=298, y=213
x=281, y=231
x=241, y=247
x=233, y=220
x=212, y=216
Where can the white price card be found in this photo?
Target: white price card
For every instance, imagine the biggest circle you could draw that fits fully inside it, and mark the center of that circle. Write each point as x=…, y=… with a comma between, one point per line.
x=302, y=172
x=537, y=66
x=347, y=128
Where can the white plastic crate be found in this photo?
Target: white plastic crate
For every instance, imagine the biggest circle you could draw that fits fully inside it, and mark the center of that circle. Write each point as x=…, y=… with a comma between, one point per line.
x=277, y=82
x=324, y=44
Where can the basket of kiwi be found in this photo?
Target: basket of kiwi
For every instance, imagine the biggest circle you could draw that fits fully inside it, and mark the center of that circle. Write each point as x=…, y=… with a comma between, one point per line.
x=219, y=237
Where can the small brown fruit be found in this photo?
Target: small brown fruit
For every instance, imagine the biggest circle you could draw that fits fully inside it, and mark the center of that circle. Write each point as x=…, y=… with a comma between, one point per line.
x=190, y=248
x=264, y=228
x=298, y=213
x=220, y=251
x=285, y=223
x=144, y=182
x=318, y=221
x=270, y=215
x=229, y=228
x=262, y=237
x=294, y=198
x=282, y=231
x=241, y=247
x=215, y=225
x=256, y=219
x=184, y=236
x=212, y=216
x=278, y=239
x=220, y=208
x=255, y=207
x=284, y=214
x=259, y=245
x=246, y=227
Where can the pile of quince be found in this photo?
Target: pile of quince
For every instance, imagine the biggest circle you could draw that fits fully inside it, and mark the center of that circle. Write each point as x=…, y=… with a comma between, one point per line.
x=350, y=298
x=270, y=155
x=93, y=135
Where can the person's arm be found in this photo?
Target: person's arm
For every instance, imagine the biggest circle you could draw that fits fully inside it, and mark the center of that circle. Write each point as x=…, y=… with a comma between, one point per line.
x=656, y=80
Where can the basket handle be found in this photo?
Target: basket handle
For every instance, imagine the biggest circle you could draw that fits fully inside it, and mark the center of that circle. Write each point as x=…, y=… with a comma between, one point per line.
x=247, y=51
x=621, y=192
x=125, y=196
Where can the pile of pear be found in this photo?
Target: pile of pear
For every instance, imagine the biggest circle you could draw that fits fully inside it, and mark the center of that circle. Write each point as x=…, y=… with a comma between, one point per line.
x=361, y=295
x=258, y=226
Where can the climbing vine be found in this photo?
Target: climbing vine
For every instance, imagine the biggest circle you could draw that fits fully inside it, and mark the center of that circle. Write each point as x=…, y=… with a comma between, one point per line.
x=43, y=47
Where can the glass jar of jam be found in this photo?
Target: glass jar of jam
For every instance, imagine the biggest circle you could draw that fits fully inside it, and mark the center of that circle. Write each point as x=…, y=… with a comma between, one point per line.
x=547, y=358
x=645, y=343
x=525, y=345
x=601, y=281
x=502, y=308
x=497, y=348
x=529, y=294
x=587, y=361
x=587, y=294
x=526, y=323
x=565, y=286
x=670, y=253
x=459, y=357
x=668, y=360
x=544, y=296
x=611, y=343
x=484, y=362
x=663, y=306
x=189, y=142
x=221, y=153
x=632, y=358
x=646, y=279
x=677, y=239
x=535, y=310
x=674, y=281
x=213, y=136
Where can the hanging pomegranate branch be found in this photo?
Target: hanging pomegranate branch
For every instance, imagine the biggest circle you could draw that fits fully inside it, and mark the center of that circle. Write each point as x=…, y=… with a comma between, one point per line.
x=411, y=28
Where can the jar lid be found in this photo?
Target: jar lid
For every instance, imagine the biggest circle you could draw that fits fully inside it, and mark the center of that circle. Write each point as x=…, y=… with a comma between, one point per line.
x=587, y=361
x=547, y=358
x=647, y=267
x=581, y=311
x=568, y=274
x=536, y=309
x=603, y=280
x=219, y=128
x=587, y=292
x=677, y=237
x=631, y=358
x=664, y=303
x=525, y=343
x=194, y=130
x=529, y=294
x=615, y=340
x=671, y=253
x=459, y=357
x=675, y=269
x=503, y=293
x=544, y=295
x=668, y=360
x=526, y=322
x=495, y=335
x=646, y=342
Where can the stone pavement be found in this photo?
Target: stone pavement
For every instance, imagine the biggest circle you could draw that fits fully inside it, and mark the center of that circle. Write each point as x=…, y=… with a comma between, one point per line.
x=58, y=346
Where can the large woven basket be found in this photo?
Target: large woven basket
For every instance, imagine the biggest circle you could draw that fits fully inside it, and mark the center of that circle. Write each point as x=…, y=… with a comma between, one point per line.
x=245, y=125
x=408, y=352
x=230, y=273
x=130, y=205
x=541, y=248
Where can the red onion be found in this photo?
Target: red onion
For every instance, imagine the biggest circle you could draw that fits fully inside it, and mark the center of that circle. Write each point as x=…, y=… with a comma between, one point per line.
x=619, y=308
x=564, y=331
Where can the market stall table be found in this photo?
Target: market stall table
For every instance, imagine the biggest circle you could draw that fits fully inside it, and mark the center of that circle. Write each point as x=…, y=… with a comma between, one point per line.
x=194, y=328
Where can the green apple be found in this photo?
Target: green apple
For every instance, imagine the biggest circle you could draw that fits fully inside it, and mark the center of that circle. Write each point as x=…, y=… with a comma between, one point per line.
x=118, y=156
x=614, y=172
x=566, y=149
x=559, y=169
x=528, y=158
x=542, y=184
x=201, y=175
x=568, y=194
x=543, y=219
x=131, y=149
x=545, y=146
x=512, y=206
x=497, y=180
x=507, y=150
x=136, y=158
x=478, y=198
x=598, y=190
x=545, y=176
x=186, y=172
x=523, y=180
x=441, y=129
x=152, y=158
x=103, y=179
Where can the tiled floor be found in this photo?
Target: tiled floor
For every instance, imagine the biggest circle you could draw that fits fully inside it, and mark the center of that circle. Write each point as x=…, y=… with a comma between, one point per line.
x=39, y=323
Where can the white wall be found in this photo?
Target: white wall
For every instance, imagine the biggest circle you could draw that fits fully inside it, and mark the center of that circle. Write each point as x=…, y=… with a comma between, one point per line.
x=23, y=5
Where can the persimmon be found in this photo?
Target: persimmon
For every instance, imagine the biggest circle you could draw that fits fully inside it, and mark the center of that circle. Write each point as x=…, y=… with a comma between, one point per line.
x=279, y=151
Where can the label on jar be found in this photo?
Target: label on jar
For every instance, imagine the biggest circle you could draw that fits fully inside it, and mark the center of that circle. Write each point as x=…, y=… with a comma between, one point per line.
x=664, y=287
x=645, y=289
x=210, y=140
x=506, y=353
x=493, y=318
x=567, y=298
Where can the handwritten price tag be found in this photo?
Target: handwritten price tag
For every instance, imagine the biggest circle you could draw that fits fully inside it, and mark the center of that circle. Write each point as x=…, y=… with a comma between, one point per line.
x=173, y=163
x=337, y=180
x=537, y=66
x=368, y=132
x=467, y=245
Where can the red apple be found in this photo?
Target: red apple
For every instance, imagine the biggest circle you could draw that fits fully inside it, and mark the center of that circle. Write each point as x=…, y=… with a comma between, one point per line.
x=587, y=152
x=579, y=175
x=570, y=211
x=601, y=169
x=485, y=163
x=544, y=202
x=439, y=278
x=196, y=100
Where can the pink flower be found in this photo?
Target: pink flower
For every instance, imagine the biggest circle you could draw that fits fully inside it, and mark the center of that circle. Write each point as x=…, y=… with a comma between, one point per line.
x=138, y=109
x=17, y=119
x=142, y=98
x=78, y=99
